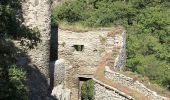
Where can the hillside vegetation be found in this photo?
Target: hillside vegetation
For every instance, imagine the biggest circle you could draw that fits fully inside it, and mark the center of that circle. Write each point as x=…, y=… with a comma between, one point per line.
x=148, y=30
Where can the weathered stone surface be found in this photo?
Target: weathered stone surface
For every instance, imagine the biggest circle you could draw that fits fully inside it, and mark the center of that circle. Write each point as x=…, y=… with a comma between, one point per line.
x=60, y=93
x=103, y=92
x=79, y=62
x=120, y=40
x=36, y=15
x=85, y=61
x=59, y=72
x=127, y=81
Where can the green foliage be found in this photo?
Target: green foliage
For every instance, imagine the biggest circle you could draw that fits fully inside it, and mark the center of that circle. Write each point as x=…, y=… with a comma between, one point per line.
x=69, y=11
x=87, y=90
x=17, y=86
x=14, y=88
x=12, y=77
x=148, y=30
x=92, y=13
x=11, y=23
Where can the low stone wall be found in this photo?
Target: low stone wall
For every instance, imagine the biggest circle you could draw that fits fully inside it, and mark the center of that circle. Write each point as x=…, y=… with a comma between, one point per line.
x=127, y=81
x=105, y=92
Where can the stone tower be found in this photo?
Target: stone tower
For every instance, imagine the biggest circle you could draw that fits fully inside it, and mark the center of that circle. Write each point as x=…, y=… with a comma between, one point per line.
x=36, y=14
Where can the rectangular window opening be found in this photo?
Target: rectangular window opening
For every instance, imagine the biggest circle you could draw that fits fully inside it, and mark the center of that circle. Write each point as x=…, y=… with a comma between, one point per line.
x=78, y=47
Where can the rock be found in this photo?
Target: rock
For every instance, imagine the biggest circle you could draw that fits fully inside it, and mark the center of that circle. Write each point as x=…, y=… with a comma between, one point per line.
x=60, y=93
x=59, y=72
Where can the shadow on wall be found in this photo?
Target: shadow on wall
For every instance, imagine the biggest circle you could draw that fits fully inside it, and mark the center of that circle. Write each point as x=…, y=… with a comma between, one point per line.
x=54, y=44
x=53, y=54
x=35, y=81
x=12, y=30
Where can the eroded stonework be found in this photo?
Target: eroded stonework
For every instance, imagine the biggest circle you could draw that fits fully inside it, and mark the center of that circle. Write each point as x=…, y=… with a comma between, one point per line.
x=86, y=52
x=82, y=52
x=104, y=93
x=59, y=72
x=36, y=15
x=127, y=81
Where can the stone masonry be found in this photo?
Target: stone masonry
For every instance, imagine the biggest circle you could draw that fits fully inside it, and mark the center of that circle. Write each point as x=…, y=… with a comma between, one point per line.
x=84, y=61
x=105, y=92
x=59, y=72
x=121, y=57
x=127, y=81
x=36, y=14
x=83, y=51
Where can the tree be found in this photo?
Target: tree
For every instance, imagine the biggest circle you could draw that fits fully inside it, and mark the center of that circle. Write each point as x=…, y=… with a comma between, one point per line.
x=12, y=77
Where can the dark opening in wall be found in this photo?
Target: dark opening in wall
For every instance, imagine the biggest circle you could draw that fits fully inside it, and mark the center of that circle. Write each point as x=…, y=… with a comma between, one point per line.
x=54, y=44
x=86, y=88
x=53, y=54
x=78, y=47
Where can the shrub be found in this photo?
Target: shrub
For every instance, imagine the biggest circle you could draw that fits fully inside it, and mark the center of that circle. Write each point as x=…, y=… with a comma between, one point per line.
x=87, y=90
x=17, y=83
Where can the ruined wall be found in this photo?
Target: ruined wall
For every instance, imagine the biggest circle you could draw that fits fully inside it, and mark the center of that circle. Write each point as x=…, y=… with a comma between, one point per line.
x=36, y=14
x=104, y=92
x=84, y=62
x=59, y=91
x=79, y=62
x=121, y=57
x=117, y=43
x=91, y=53
x=127, y=81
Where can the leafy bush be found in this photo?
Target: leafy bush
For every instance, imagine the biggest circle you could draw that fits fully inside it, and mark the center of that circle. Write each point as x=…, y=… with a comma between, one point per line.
x=87, y=90
x=14, y=88
x=17, y=78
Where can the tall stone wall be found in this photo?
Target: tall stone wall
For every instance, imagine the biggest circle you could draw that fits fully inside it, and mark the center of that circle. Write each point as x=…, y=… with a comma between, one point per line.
x=36, y=15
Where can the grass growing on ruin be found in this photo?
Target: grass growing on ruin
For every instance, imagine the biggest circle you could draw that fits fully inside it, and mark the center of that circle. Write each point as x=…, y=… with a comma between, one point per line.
x=76, y=27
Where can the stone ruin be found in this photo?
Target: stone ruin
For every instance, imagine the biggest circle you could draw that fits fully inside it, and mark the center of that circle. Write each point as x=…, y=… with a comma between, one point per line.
x=36, y=16
x=60, y=92
x=82, y=52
